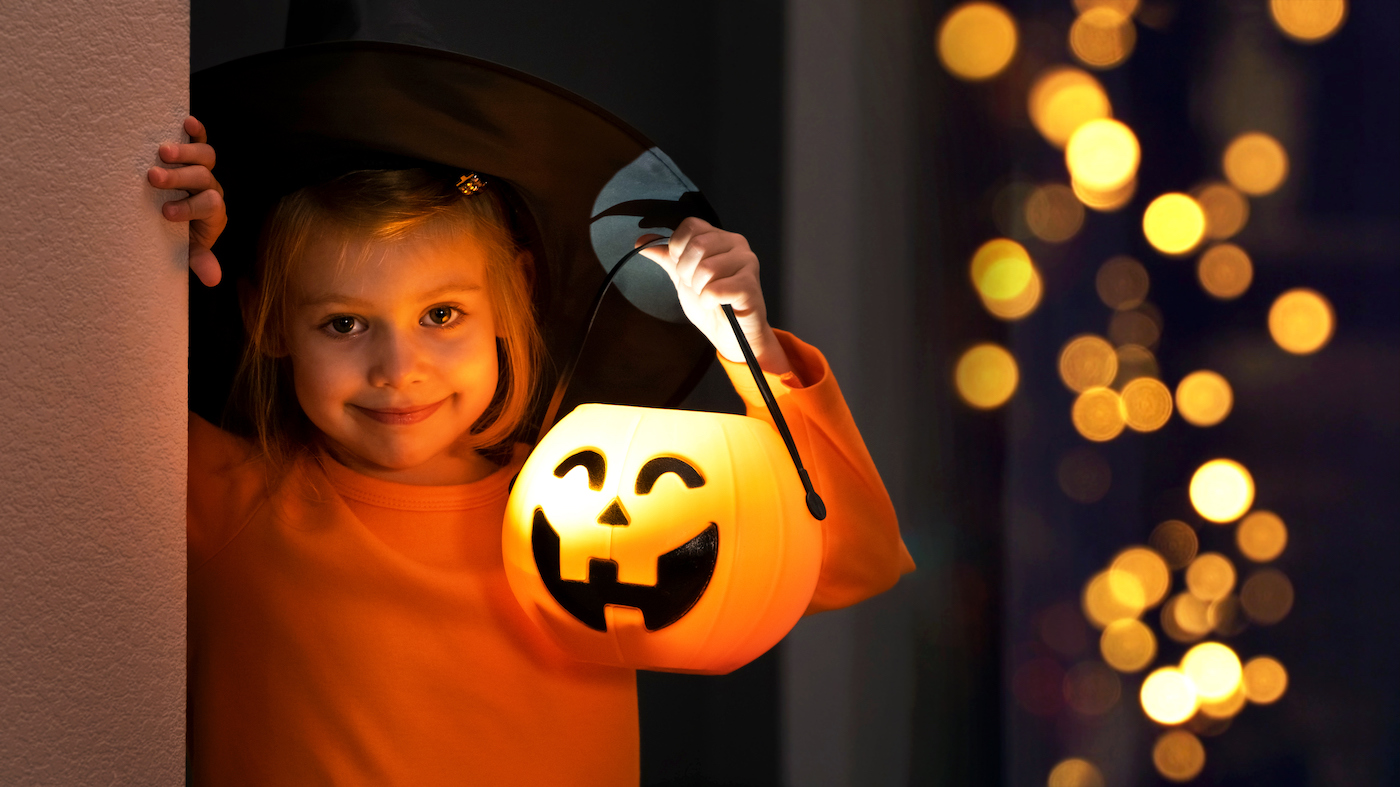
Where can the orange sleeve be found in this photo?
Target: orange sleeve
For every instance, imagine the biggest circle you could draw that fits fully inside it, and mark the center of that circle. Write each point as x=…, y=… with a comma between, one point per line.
x=863, y=553
x=225, y=487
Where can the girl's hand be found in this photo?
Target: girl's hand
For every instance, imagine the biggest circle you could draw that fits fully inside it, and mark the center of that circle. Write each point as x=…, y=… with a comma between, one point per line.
x=711, y=267
x=204, y=208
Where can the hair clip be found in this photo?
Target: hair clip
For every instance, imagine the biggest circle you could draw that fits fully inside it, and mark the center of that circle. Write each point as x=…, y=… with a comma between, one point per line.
x=470, y=184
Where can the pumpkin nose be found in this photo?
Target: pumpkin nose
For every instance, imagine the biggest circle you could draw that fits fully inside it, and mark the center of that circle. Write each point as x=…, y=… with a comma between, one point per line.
x=613, y=514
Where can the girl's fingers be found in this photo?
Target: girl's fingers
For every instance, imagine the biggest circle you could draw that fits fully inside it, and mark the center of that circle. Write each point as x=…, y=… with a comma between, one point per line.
x=205, y=265
x=698, y=248
x=192, y=178
x=720, y=266
x=740, y=291
x=187, y=153
x=196, y=130
x=207, y=204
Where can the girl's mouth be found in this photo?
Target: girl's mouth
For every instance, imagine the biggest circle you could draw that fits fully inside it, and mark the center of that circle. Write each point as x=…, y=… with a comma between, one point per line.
x=401, y=416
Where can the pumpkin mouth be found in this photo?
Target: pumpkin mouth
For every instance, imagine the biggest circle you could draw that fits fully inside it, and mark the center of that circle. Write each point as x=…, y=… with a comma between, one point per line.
x=681, y=578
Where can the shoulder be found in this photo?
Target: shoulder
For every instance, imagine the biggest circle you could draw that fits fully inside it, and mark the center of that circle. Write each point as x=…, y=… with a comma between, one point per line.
x=226, y=482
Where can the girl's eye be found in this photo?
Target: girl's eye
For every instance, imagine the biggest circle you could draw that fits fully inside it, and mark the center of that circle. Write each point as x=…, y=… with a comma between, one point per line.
x=342, y=325
x=441, y=315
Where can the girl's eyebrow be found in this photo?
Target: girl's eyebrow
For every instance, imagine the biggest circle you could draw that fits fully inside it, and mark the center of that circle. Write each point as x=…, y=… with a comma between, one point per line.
x=347, y=300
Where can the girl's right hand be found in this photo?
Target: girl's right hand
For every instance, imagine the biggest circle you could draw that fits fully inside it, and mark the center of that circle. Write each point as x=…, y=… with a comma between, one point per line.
x=204, y=208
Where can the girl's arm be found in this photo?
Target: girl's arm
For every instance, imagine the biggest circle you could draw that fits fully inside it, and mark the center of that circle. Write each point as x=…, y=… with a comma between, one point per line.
x=204, y=208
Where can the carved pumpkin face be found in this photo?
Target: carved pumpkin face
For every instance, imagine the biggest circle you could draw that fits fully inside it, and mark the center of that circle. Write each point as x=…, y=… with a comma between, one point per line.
x=661, y=539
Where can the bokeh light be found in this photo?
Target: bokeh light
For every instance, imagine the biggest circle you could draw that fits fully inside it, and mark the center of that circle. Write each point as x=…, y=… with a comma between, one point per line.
x=1179, y=756
x=1018, y=306
x=1204, y=398
x=1053, y=213
x=1214, y=669
x=1103, y=155
x=1265, y=680
x=1267, y=596
x=1102, y=605
x=1176, y=542
x=1087, y=361
x=1301, y=321
x=1222, y=490
x=1225, y=271
x=1104, y=200
x=1308, y=21
x=1128, y=645
x=1135, y=326
x=1150, y=575
x=1226, y=708
x=1102, y=37
x=1227, y=210
x=1075, y=772
x=1098, y=414
x=1124, y=7
x=1084, y=475
x=1134, y=361
x=1001, y=269
x=1261, y=536
x=1062, y=99
x=1255, y=163
x=977, y=40
x=1122, y=283
x=986, y=376
x=1225, y=616
x=1174, y=224
x=1092, y=688
x=1168, y=696
x=1185, y=618
x=1210, y=576
x=1147, y=404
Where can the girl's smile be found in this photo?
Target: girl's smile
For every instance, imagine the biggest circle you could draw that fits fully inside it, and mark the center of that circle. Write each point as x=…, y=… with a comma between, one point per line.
x=401, y=415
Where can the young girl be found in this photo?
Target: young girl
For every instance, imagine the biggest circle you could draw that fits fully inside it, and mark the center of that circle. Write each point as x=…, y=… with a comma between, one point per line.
x=349, y=618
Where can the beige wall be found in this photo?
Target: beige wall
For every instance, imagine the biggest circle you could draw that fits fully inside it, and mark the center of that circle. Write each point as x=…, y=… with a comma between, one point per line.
x=93, y=299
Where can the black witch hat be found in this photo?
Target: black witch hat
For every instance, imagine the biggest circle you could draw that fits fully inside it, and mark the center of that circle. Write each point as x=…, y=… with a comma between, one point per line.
x=582, y=186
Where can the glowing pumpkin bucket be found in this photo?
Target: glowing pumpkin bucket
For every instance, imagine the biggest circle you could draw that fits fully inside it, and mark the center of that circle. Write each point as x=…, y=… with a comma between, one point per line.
x=661, y=539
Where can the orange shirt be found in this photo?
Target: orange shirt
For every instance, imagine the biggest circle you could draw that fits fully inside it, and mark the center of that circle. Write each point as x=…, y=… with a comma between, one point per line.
x=347, y=630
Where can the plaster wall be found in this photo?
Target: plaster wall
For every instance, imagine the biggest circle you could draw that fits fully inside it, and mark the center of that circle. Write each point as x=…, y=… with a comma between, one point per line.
x=93, y=338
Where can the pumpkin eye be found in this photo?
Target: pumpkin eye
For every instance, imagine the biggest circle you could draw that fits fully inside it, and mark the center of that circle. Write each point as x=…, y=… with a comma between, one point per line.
x=590, y=460
x=661, y=465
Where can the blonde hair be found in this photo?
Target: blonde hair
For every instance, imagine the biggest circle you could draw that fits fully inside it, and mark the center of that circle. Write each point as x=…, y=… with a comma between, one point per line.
x=382, y=206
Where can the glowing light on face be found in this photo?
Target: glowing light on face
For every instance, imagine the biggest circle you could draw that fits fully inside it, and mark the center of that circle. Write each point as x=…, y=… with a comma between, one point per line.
x=1175, y=541
x=1308, y=21
x=1222, y=490
x=1204, y=398
x=1227, y=210
x=1147, y=404
x=986, y=376
x=1174, y=224
x=1225, y=271
x=1168, y=696
x=1086, y=362
x=1210, y=577
x=1062, y=99
x=1179, y=756
x=1122, y=283
x=1053, y=213
x=1301, y=321
x=977, y=41
x=1265, y=680
x=1075, y=772
x=1098, y=414
x=1128, y=645
x=1255, y=163
x=1214, y=669
x=1261, y=536
x=1103, y=155
x=1102, y=37
x=1267, y=596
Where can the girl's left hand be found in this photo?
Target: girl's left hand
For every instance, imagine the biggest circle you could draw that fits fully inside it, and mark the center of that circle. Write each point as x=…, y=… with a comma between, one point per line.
x=710, y=267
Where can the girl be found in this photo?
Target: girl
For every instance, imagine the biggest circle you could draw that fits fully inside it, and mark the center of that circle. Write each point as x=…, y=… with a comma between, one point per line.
x=349, y=618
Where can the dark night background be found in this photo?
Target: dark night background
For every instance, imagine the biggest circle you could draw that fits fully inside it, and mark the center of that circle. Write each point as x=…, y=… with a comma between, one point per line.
x=916, y=687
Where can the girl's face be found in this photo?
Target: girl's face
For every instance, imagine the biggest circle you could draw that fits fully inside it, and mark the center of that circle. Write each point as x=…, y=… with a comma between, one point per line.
x=395, y=359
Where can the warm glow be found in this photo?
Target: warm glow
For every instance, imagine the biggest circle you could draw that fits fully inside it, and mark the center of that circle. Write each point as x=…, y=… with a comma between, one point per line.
x=1226, y=209
x=1168, y=696
x=1122, y=283
x=1102, y=605
x=1062, y=99
x=1256, y=163
x=1265, y=680
x=1222, y=490
x=1075, y=772
x=1210, y=577
x=1091, y=688
x=1175, y=541
x=1308, y=21
x=1261, y=536
x=1104, y=200
x=1103, y=155
x=1053, y=213
x=1102, y=37
x=1128, y=645
x=1224, y=615
x=1179, y=756
x=1147, y=404
x=1001, y=269
x=1204, y=398
x=1174, y=224
x=1147, y=568
x=1133, y=327
x=1098, y=414
x=1225, y=271
x=977, y=40
x=1227, y=708
x=1267, y=596
x=1124, y=7
x=1185, y=618
x=1301, y=321
x=1134, y=361
x=986, y=376
x=1214, y=669
x=1086, y=362
x=1019, y=306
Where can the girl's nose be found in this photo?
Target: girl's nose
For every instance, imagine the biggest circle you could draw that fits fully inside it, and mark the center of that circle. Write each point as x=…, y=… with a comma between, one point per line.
x=397, y=360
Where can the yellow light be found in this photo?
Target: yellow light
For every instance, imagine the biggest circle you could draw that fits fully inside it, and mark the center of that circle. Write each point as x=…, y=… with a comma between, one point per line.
x=977, y=40
x=1087, y=361
x=1102, y=606
x=1149, y=573
x=1124, y=7
x=1168, y=696
x=1267, y=596
x=1102, y=37
x=1222, y=490
x=1147, y=404
x=1134, y=362
x=1227, y=708
x=1179, y=756
x=1075, y=772
x=1091, y=688
x=1174, y=224
x=1256, y=163
x=1122, y=283
x=1019, y=306
x=1104, y=200
x=1214, y=669
x=1103, y=155
x=1210, y=577
x=986, y=376
x=1301, y=321
x=1062, y=99
x=1098, y=414
x=1083, y=475
x=1225, y=271
x=1184, y=618
x=1265, y=680
x=1133, y=327
x=1261, y=536
x=1175, y=541
x=1204, y=398
x=1128, y=645
x=1053, y=213
x=1001, y=269
x=1227, y=210
x=1308, y=21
